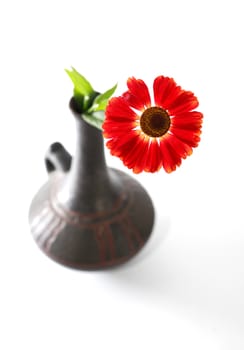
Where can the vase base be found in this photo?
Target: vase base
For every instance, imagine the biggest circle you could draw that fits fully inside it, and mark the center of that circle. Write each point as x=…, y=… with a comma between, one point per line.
x=95, y=240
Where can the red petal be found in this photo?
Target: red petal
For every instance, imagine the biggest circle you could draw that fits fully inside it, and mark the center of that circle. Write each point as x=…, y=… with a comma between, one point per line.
x=170, y=158
x=138, y=94
x=188, y=121
x=115, y=132
x=181, y=148
x=133, y=101
x=136, y=158
x=119, y=110
x=189, y=137
x=154, y=157
x=165, y=91
x=185, y=102
x=122, y=145
x=112, y=129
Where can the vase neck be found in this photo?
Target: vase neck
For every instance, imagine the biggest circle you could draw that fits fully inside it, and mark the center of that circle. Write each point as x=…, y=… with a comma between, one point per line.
x=88, y=176
x=89, y=158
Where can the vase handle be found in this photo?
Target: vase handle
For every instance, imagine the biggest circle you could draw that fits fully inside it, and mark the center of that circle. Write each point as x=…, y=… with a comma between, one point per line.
x=57, y=158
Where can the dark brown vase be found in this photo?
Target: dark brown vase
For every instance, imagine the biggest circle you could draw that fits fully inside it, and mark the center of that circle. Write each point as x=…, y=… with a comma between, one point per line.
x=89, y=216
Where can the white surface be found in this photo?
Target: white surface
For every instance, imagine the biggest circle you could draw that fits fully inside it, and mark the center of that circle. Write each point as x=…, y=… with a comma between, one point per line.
x=185, y=290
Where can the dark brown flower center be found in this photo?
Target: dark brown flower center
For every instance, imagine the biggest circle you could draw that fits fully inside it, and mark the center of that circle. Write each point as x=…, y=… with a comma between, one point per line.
x=155, y=121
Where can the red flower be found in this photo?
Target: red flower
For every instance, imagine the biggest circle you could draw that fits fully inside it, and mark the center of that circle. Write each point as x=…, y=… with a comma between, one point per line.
x=148, y=136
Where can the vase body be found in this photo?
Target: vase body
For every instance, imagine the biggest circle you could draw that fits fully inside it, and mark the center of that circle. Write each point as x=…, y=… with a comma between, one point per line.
x=87, y=215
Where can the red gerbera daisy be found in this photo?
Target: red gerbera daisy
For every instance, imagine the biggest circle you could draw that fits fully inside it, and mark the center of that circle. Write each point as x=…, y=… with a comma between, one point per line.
x=148, y=136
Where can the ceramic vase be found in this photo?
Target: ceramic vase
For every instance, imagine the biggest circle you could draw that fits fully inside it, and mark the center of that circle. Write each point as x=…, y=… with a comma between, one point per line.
x=88, y=215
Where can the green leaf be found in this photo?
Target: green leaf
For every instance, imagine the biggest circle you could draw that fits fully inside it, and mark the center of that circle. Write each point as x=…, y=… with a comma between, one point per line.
x=95, y=119
x=81, y=84
x=101, y=101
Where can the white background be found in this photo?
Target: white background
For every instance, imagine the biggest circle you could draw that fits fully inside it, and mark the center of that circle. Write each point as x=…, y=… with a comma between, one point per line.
x=185, y=289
